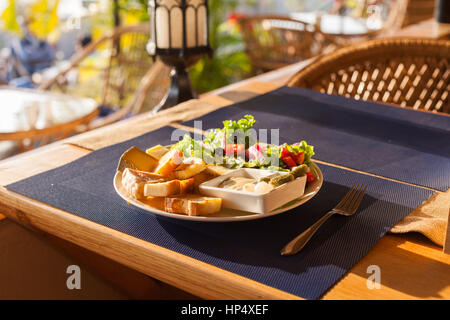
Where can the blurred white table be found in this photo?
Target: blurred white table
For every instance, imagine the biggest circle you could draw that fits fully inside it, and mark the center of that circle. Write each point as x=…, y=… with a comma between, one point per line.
x=335, y=24
x=23, y=110
x=31, y=116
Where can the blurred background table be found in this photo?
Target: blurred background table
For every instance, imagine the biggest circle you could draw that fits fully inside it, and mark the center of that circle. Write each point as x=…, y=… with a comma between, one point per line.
x=29, y=118
x=426, y=29
x=336, y=24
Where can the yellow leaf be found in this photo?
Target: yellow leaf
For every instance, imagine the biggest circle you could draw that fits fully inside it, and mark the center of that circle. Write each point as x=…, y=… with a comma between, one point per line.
x=8, y=18
x=44, y=18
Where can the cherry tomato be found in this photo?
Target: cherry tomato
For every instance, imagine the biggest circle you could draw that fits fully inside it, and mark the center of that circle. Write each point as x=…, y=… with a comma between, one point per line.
x=234, y=149
x=239, y=148
x=310, y=177
x=289, y=162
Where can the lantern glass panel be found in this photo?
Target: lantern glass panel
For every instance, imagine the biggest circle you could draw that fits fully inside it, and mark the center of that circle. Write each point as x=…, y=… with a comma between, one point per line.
x=202, y=26
x=176, y=28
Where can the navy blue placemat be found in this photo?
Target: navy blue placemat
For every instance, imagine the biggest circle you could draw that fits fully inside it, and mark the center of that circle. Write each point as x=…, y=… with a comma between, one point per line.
x=398, y=143
x=251, y=248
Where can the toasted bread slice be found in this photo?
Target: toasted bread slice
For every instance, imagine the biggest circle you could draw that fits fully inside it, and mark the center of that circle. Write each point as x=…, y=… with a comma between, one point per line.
x=157, y=151
x=216, y=170
x=169, y=162
x=162, y=189
x=193, y=205
x=188, y=171
x=186, y=186
x=200, y=178
x=134, y=181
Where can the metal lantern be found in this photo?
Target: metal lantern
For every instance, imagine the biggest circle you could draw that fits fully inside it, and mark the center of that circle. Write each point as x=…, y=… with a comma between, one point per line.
x=179, y=36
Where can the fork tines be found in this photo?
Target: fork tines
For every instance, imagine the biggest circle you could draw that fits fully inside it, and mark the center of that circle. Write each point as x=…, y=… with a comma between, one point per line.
x=352, y=199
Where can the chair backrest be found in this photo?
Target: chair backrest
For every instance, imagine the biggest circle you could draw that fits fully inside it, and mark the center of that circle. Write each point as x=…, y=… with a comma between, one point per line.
x=152, y=88
x=419, y=10
x=276, y=41
x=127, y=64
x=406, y=72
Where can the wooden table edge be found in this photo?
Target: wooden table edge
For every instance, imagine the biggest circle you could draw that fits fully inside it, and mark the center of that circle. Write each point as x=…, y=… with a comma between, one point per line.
x=191, y=275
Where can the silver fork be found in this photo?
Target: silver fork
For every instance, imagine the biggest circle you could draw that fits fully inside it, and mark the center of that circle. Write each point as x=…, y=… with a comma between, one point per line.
x=347, y=207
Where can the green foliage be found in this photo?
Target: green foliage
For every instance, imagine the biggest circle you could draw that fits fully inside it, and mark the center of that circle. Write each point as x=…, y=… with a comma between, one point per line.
x=229, y=63
x=138, y=9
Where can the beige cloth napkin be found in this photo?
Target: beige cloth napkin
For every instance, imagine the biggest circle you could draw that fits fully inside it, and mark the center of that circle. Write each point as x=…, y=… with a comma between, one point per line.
x=430, y=218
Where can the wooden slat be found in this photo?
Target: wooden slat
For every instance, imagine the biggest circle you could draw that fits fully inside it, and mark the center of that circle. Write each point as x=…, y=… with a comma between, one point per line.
x=134, y=284
x=411, y=268
x=37, y=161
x=447, y=236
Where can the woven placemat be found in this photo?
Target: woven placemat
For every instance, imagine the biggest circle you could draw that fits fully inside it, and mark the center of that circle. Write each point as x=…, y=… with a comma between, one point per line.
x=252, y=248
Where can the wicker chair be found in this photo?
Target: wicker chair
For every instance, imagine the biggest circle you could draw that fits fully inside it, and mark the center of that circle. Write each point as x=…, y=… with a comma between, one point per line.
x=274, y=41
x=117, y=84
x=131, y=82
x=405, y=72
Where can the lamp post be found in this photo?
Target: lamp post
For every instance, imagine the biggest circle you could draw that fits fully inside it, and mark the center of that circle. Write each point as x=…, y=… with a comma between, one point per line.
x=442, y=11
x=179, y=36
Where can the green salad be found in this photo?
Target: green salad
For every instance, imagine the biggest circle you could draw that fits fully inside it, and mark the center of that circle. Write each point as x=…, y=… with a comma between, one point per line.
x=236, y=145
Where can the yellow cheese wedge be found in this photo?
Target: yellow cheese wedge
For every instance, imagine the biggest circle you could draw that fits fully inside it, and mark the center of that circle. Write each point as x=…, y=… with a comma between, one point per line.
x=157, y=151
x=137, y=159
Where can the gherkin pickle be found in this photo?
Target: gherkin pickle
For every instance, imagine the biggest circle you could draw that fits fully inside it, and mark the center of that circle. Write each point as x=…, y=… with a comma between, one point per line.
x=278, y=181
x=299, y=171
x=265, y=179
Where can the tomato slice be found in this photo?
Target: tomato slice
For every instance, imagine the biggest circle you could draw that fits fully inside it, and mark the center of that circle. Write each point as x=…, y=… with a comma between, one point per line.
x=284, y=153
x=299, y=157
x=229, y=150
x=239, y=149
x=234, y=149
x=310, y=177
x=289, y=162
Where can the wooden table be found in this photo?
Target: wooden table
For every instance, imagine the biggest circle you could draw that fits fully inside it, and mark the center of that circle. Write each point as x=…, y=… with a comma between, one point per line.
x=426, y=29
x=412, y=267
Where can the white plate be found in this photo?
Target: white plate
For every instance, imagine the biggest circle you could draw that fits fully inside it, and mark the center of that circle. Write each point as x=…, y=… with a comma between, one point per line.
x=225, y=215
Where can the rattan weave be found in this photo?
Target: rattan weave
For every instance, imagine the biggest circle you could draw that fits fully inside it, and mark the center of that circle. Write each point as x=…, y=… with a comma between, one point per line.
x=406, y=72
x=275, y=41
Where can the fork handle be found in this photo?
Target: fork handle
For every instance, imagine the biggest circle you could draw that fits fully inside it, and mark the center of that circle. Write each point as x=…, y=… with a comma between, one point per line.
x=302, y=239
